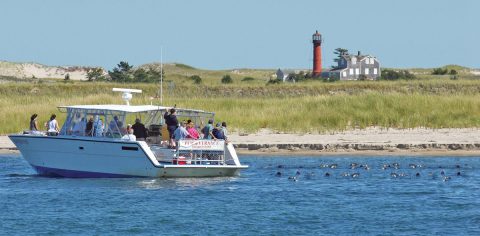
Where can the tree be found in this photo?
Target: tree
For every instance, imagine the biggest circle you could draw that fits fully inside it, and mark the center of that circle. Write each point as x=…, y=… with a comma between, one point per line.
x=339, y=52
x=140, y=75
x=122, y=73
x=124, y=66
x=67, y=77
x=95, y=74
x=226, y=79
x=453, y=72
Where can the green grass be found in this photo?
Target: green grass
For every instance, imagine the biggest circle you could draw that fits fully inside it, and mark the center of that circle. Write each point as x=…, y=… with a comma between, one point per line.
x=302, y=107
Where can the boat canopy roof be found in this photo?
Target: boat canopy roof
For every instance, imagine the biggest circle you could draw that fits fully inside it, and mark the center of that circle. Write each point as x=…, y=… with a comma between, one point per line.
x=128, y=109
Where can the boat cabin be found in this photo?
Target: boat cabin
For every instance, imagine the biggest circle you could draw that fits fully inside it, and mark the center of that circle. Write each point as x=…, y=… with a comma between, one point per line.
x=110, y=121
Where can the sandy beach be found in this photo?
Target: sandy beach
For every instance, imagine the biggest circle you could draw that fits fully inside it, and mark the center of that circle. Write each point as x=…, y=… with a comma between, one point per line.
x=372, y=140
x=368, y=141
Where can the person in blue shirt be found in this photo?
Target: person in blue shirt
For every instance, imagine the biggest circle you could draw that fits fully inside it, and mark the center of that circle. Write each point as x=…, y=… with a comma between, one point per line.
x=207, y=130
x=181, y=132
x=218, y=132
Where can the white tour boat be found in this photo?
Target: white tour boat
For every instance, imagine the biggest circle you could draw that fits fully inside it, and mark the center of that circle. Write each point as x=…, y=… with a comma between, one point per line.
x=104, y=152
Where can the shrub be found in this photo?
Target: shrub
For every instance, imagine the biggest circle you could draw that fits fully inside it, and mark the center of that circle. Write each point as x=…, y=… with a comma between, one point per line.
x=274, y=81
x=196, y=79
x=248, y=79
x=227, y=79
x=328, y=79
x=439, y=71
x=453, y=72
x=183, y=66
x=67, y=77
x=395, y=75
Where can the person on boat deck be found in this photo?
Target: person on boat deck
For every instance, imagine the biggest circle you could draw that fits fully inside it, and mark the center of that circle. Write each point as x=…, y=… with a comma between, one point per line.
x=98, y=127
x=33, y=122
x=139, y=130
x=129, y=136
x=52, y=126
x=89, y=127
x=225, y=131
x=115, y=126
x=181, y=132
x=172, y=123
x=77, y=119
x=207, y=130
x=217, y=132
x=192, y=131
x=79, y=127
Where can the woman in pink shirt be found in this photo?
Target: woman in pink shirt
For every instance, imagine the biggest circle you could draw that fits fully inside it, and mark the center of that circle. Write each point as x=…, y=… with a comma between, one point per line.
x=192, y=132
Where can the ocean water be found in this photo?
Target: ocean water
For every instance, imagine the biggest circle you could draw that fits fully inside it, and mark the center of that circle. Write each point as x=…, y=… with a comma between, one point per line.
x=275, y=196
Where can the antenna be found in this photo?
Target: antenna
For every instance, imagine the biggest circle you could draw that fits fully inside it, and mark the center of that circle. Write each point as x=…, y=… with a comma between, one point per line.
x=127, y=94
x=161, y=76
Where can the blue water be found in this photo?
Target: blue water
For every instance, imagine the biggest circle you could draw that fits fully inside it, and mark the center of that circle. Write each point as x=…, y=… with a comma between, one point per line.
x=376, y=202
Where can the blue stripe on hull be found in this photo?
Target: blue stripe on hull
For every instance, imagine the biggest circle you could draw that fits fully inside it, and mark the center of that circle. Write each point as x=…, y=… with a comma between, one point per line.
x=47, y=171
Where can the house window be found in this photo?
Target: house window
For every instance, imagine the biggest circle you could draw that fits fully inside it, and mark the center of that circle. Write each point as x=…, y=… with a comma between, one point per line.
x=372, y=61
x=357, y=71
x=344, y=74
x=354, y=60
x=375, y=71
x=367, y=71
x=351, y=72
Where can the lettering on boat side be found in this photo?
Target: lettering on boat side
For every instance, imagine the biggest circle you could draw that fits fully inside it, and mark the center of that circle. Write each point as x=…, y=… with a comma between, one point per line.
x=191, y=144
x=126, y=148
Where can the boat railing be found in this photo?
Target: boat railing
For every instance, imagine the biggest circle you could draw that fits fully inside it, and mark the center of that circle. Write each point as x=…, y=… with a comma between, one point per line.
x=35, y=132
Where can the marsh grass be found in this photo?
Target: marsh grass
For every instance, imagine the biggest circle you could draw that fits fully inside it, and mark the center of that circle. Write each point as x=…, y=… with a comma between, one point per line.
x=306, y=107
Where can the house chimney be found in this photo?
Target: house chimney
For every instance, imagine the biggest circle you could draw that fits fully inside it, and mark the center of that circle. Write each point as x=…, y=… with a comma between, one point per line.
x=358, y=53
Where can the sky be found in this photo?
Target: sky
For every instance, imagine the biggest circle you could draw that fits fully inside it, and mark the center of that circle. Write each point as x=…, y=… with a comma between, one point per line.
x=227, y=34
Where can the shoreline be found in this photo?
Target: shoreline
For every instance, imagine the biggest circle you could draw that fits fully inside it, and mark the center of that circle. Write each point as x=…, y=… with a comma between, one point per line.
x=429, y=153
x=371, y=141
x=293, y=154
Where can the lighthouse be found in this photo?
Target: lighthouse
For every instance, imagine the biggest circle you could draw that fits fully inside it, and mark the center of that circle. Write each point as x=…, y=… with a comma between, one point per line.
x=317, y=54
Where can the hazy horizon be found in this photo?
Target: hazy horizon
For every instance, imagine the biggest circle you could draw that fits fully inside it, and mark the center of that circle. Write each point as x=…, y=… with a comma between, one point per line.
x=218, y=34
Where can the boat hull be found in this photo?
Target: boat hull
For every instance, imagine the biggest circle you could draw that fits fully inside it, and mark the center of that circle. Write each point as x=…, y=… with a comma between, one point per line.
x=85, y=157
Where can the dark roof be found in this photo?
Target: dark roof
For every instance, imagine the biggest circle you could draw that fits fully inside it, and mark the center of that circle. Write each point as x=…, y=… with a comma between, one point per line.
x=349, y=56
x=336, y=69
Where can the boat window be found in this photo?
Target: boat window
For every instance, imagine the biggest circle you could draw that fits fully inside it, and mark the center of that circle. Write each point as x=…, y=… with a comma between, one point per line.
x=74, y=124
x=115, y=126
x=95, y=123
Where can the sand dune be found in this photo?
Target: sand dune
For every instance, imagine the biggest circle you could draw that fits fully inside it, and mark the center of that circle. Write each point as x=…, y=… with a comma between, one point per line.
x=30, y=70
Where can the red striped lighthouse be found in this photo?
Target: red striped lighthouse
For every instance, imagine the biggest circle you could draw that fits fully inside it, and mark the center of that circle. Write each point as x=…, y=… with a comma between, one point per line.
x=317, y=54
